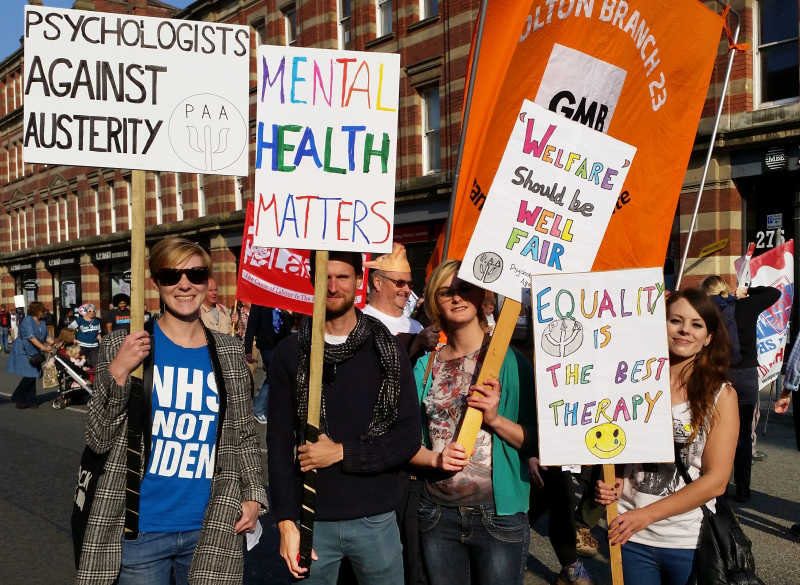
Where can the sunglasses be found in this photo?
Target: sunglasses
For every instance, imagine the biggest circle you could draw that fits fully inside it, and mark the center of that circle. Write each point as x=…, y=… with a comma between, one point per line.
x=446, y=294
x=401, y=283
x=172, y=276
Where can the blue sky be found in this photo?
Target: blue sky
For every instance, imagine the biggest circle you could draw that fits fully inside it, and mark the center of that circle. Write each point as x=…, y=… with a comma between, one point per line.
x=11, y=20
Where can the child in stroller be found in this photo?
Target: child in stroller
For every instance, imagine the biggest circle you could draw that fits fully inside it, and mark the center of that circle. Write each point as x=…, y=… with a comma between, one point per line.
x=75, y=379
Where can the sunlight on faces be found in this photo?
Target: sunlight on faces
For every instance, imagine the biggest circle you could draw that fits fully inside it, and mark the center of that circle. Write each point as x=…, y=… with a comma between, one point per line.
x=183, y=299
x=686, y=331
x=342, y=286
x=459, y=309
x=387, y=291
x=212, y=291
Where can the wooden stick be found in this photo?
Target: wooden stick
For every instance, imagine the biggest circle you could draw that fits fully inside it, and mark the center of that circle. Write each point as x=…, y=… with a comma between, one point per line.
x=610, y=478
x=138, y=194
x=314, y=405
x=490, y=370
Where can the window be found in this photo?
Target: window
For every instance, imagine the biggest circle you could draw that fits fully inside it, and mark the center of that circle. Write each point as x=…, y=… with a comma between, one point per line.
x=159, y=201
x=777, y=72
x=96, y=194
x=237, y=201
x=384, y=17
x=178, y=198
x=20, y=160
x=345, y=34
x=113, y=203
x=290, y=17
x=429, y=8
x=47, y=220
x=65, y=215
x=260, y=32
x=201, y=195
x=431, y=144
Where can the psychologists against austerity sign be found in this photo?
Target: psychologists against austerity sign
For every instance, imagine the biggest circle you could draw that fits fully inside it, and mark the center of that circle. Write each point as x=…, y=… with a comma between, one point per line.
x=123, y=91
x=325, y=149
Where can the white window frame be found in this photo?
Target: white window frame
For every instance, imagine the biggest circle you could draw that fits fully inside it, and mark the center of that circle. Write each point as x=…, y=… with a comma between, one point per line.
x=24, y=226
x=178, y=198
x=96, y=193
x=113, y=201
x=287, y=20
x=47, y=220
x=380, y=10
x=57, y=207
x=428, y=131
x=159, y=200
x=425, y=9
x=757, y=103
x=201, y=195
x=129, y=200
x=344, y=22
x=62, y=203
x=260, y=32
x=238, y=198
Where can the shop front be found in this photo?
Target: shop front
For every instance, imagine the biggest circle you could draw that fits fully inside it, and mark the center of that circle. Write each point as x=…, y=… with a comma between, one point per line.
x=26, y=283
x=114, y=271
x=66, y=273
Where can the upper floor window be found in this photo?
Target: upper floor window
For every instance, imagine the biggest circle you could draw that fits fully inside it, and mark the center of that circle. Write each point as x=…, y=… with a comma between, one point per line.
x=178, y=198
x=345, y=34
x=290, y=18
x=159, y=200
x=260, y=29
x=431, y=142
x=777, y=72
x=429, y=8
x=238, y=193
x=96, y=200
x=201, y=195
x=384, y=17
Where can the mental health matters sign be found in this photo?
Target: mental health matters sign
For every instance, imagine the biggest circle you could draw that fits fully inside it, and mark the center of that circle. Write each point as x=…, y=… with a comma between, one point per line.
x=123, y=91
x=325, y=149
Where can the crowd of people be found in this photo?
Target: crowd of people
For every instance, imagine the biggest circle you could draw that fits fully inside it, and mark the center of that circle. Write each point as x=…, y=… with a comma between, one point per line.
x=397, y=499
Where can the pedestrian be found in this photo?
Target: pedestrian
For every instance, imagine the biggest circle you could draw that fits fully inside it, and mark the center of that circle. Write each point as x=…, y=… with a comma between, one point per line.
x=488, y=309
x=87, y=332
x=200, y=490
x=791, y=383
x=660, y=516
x=33, y=339
x=5, y=326
x=67, y=317
x=472, y=514
x=749, y=303
x=147, y=314
x=213, y=314
x=119, y=318
x=369, y=425
x=266, y=328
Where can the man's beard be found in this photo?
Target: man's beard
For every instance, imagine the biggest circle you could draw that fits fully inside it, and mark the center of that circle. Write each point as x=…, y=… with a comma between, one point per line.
x=345, y=306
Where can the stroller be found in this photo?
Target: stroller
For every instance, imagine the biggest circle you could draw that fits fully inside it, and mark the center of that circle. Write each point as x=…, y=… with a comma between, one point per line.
x=73, y=382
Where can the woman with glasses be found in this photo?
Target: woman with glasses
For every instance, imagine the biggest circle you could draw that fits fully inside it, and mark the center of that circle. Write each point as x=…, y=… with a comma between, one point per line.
x=87, y=333
x=472, y=516
x=32, y=340
x=201, y=487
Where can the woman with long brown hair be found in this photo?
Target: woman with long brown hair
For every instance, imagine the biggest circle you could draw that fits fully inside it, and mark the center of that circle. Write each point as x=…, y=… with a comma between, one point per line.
x=32, y=340
x=660, y=516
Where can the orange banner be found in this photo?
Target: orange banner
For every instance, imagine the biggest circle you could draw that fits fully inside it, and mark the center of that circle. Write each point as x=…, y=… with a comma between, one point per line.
x=637, y=70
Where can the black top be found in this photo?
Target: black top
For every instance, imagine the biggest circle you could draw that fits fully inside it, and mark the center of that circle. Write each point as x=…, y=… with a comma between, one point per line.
x=369, y=480
x=758, y=300
x=261, y=326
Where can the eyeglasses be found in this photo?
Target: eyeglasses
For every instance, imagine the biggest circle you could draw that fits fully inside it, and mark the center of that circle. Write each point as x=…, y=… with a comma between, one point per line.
x=400, y=283
x=462, y=290
x=172, y=276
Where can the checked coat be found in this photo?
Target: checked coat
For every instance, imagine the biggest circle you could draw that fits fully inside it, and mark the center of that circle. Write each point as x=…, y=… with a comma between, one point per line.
x=237, y=469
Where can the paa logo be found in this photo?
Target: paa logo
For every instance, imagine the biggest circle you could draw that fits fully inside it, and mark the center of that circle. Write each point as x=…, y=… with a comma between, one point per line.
x=207, y=132
x=487, y=267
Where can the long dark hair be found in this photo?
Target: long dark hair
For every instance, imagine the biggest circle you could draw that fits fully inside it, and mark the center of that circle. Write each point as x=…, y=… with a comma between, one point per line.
x=709, y=371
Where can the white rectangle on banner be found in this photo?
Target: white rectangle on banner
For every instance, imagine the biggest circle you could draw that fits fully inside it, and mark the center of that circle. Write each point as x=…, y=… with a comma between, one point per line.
x=602, y=368
x=326, y=140
x=549, y=204
x=135, y=92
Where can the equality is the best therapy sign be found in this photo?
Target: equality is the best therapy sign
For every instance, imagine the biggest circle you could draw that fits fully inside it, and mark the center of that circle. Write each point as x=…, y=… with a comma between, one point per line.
x=549, y=204
x=325, y=149
x=124, y=91
x=602, y=368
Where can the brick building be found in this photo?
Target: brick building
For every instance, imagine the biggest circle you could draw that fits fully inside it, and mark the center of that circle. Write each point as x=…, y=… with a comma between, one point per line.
x=64, y=231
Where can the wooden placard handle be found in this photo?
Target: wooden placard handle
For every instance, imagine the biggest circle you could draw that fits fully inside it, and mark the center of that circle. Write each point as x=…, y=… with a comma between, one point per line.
x=615, y=552
x=138, y=195
x=490, y=370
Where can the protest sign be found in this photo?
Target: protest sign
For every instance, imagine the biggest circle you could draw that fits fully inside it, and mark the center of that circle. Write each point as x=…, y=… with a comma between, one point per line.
x=124, y=91
x=278, y=277
x=602, y=368
x=325, y=149
x=776, y=269
x=616, y=67
x=547, y=211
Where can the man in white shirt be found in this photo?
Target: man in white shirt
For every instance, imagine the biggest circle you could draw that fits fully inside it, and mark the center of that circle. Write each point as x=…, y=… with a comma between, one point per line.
x=213, y=314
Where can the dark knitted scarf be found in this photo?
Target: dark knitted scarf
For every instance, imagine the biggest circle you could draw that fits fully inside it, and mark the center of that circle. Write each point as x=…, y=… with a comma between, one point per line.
x=386, y=407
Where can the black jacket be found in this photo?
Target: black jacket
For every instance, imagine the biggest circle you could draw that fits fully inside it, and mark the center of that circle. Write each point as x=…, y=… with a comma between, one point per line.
x=261, y=327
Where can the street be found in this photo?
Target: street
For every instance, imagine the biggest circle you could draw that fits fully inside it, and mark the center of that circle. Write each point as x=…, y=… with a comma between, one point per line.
x=41, y=450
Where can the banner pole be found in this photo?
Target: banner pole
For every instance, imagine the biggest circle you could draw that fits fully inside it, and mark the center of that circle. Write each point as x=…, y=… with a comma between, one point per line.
x=712, y=139
x=138, y=195
x=464, y=120
x=615, y=552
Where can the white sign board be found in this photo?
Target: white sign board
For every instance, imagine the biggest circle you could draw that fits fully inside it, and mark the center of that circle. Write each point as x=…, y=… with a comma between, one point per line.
x=602, y=368
x=549, y=204
x=325, y=149
x=135, y=92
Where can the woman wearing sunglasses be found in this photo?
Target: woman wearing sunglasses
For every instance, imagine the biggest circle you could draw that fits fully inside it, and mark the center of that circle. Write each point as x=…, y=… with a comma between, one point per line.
x=201, y=465
x=87, y=333
x=472, y=515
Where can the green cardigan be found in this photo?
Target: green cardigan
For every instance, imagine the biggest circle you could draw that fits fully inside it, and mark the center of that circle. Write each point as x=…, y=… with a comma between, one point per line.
x=517, y=403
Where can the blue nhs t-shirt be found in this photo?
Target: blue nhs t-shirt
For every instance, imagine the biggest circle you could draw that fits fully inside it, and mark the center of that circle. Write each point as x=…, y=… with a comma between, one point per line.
x=177, y=483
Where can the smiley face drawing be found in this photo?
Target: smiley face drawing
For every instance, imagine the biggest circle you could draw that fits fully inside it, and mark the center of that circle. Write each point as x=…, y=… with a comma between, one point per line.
x=606, y=440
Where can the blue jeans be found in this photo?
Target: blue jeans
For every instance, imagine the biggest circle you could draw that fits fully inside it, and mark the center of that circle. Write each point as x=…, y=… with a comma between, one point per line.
x=372, y=544
x=260, y=402
x=650, y=565
x=472, y=544
x=4, y=339
x=150, y=558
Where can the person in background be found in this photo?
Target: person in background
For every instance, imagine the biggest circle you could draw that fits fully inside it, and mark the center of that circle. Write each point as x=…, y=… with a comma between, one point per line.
x=17, y=315
x=749, y=304
x=660, y=517
x=267, y=328
x=791, y=384
x=119, y=319
x=201, y=490
x=213, y=314
x=33, y=339
x=67, y=317
x=147, y=314
x=87, y=332
x=472, y=514
x=5, y=326
x=488, y=309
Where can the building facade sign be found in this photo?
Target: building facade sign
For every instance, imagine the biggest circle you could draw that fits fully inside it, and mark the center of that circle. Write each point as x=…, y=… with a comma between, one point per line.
x=58, y=262
x=21, y=267
x=104, y=255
